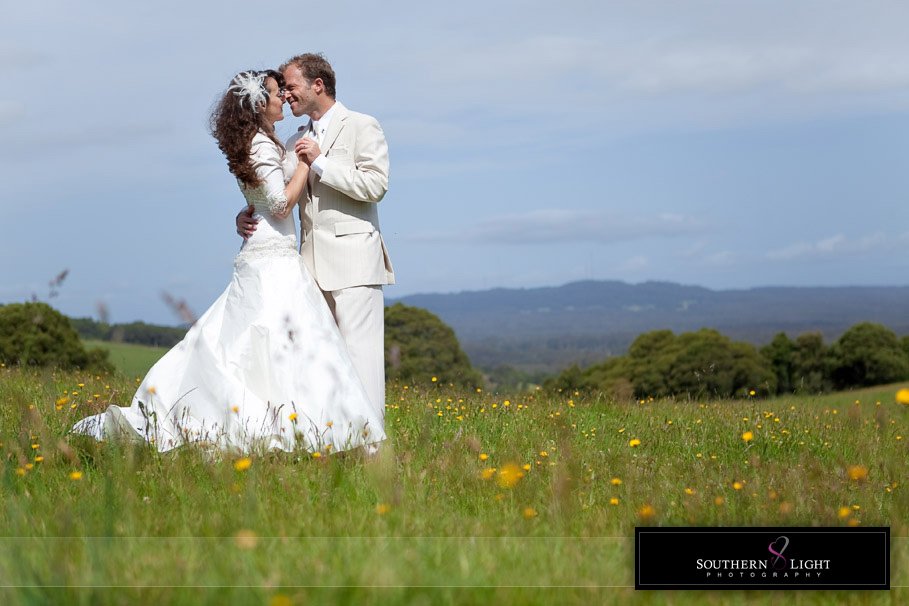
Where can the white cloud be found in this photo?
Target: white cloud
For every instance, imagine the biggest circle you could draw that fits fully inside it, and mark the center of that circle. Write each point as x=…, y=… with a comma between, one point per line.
x=568, y=225
x=831, y=246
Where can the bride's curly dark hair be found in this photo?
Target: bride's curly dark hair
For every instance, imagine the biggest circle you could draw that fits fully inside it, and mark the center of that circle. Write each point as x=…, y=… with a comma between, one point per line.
x=233, y=124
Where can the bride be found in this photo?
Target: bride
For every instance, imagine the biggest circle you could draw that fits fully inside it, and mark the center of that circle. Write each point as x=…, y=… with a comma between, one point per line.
x=265, y=367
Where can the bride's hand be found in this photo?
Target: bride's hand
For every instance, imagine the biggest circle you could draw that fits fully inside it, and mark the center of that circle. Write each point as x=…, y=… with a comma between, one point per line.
x=246, y=225
x=307, y=150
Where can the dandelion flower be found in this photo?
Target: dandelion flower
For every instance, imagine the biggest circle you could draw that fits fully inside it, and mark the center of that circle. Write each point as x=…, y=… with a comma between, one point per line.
x=902, y=396
x=483, y=456
x=857, y=473
x=246, y=539
x=614, y=501
x=488, y=473
x=509, y=475
x=293, y=416
x=737, y=485
x=615, y=481
x=646, y=512
x=747, y=436
x=75, y=475
x=844, y=512
x=317, y=455
x=279, y=599
x=243, y=464
x=689, y=491
x=383, y=508
x=634, y=442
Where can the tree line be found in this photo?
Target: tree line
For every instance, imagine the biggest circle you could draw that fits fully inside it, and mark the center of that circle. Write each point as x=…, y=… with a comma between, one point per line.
x=420, y=348
x=705, y=363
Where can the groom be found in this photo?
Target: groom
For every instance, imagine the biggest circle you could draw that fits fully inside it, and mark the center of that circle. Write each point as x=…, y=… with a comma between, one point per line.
x=340, y=239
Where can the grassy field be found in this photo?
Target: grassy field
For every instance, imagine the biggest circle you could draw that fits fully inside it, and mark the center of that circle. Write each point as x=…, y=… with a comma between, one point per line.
x=475, y=498
x=130, y=359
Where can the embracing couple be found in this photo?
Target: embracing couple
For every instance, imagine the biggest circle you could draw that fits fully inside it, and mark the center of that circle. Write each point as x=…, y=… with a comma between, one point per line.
x=291, y=355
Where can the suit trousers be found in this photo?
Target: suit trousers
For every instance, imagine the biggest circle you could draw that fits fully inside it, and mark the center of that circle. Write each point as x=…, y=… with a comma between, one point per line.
x=360, y=314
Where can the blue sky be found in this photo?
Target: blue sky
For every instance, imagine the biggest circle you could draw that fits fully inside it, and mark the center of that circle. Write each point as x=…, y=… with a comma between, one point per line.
x=729, y=145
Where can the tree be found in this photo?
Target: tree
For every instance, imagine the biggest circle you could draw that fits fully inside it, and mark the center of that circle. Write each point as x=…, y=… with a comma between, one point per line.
x=650, y=359
x=36, y=334
x=779, y=354
x=662, y=364
x=867, y=354
x=419, y=346
x=809, y=364
x=709, y=363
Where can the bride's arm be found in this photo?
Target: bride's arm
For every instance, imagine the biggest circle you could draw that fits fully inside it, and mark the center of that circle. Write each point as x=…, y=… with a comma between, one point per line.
x=267, y=161
x=294, y=189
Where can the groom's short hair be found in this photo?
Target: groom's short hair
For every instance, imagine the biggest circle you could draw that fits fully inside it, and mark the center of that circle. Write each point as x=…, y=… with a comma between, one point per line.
x=314, y=65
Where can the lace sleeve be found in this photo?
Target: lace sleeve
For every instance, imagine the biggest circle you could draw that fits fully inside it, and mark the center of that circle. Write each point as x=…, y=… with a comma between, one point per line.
x=266, y=158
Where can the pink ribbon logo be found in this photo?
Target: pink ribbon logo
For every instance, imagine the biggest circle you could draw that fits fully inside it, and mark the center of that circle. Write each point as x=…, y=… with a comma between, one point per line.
x=779, y=554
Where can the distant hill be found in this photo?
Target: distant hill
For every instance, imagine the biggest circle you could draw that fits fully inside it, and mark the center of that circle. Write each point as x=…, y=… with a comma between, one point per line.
x=546, y=329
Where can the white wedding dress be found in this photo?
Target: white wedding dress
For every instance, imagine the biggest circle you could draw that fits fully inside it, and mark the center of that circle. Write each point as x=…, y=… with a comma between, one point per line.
x=264, y=368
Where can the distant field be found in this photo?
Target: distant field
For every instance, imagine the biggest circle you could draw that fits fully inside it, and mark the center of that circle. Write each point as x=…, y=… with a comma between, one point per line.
x=130, y=359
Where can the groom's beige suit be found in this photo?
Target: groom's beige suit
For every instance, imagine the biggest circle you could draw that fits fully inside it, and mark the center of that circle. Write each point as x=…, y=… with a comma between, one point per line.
x=341, y=242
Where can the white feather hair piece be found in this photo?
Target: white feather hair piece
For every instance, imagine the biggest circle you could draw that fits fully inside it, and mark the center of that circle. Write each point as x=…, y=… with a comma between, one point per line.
x=250, y=86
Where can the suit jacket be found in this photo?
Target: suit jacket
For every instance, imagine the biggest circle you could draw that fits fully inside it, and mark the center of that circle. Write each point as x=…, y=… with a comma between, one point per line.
x=341, y=243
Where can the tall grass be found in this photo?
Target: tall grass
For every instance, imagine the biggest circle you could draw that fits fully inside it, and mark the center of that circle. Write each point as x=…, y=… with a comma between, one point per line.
x=476, y=497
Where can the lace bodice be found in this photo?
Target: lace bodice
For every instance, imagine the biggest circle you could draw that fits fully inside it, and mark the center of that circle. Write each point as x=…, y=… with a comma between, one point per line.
x=274, y=169
x=274, y=235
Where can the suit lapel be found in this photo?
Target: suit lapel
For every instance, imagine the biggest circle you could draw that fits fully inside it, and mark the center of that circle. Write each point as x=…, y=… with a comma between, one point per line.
x=334, y=129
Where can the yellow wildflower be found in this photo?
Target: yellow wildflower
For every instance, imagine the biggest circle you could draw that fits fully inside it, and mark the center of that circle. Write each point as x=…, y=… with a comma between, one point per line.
x=509, y=475
x=646, y=512
x=902, y=396
x=747, y=436
x=857, y=473
x=243, y=464
x=246, y=539
x=529, y=512
x=634, y=442
x=75, y=475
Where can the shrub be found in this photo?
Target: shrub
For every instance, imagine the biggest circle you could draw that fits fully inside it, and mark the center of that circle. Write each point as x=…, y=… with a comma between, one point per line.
x=419, y=346
x=35, y=334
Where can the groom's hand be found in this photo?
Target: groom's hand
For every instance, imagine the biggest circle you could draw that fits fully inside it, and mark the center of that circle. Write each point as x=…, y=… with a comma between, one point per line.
x=307, y=150
x=246, y=225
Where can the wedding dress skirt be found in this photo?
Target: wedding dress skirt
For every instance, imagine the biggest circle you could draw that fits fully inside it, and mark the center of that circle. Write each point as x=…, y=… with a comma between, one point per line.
x=264, y=368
